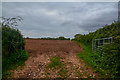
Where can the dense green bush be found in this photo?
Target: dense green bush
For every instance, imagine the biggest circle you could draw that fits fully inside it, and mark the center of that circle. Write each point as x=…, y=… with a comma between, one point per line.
x=13, y=53
x=108, y=58
x=112, y=30
x=12, y=40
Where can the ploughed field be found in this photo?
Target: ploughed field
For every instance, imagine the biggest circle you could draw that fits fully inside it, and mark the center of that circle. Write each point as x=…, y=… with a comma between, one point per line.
x=53, y=59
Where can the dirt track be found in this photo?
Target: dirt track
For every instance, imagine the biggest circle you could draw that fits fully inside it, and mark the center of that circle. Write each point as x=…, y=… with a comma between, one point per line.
x=40, y=52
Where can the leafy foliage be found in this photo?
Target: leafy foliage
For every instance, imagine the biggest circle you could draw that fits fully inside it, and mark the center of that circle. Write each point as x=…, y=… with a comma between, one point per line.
x=108, y=58
x=13, y=53
x=12, y=40
x=112, y=30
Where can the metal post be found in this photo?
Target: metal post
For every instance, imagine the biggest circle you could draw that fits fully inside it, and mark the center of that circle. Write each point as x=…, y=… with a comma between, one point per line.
x=92, y=45
x=21, y=43
x=111, y=40
x=95, y=45
x=103, y=42
x=98, y=44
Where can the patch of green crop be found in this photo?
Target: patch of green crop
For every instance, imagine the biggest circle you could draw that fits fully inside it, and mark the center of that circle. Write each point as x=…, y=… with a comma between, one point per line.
x=57, y=64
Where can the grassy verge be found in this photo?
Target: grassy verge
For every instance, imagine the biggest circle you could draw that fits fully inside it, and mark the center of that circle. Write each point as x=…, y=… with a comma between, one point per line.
x=90, y=58
x=11, y=62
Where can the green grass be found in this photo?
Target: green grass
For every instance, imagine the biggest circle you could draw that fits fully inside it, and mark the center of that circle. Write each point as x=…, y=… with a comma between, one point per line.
x=63, y=73
x=57, y=64
x=90, y=58
x=10, y=63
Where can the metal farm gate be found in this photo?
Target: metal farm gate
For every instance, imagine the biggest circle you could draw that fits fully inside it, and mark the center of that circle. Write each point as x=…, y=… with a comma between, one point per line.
x=97, y=43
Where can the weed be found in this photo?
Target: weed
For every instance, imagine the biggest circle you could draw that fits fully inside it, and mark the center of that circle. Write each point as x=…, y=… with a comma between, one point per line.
x=63, y=73
x=12, y=62
x=57, y=64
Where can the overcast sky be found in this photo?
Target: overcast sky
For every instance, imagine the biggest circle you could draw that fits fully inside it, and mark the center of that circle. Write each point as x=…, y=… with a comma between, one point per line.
x=54, y=19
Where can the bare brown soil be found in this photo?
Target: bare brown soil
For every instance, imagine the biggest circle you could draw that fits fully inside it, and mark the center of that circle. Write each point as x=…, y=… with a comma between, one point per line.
x=40, y=52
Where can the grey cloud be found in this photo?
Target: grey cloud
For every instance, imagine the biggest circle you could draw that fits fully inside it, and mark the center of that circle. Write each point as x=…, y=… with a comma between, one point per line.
x=60, y=19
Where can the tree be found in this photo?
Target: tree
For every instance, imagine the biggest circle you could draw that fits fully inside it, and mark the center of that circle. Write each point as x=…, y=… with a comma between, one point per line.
x=78, y=35
x=62, y=38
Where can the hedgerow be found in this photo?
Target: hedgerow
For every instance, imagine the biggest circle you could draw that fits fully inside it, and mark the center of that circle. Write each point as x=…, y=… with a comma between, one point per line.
x=13, y=52
x=108, y=58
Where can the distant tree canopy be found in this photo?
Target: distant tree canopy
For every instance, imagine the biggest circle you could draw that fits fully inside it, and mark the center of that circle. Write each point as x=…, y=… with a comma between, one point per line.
x=63, y=38
x=78, y=35
x=49, y=38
